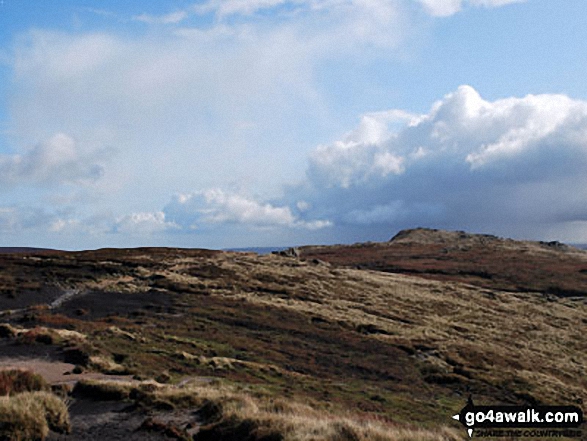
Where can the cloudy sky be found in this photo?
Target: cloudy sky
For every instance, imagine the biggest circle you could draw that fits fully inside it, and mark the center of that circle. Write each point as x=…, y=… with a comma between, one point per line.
x=234, y=123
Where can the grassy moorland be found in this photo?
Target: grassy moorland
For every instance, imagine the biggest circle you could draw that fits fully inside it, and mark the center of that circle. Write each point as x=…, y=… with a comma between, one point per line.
x=335, y=345
x=478, y=259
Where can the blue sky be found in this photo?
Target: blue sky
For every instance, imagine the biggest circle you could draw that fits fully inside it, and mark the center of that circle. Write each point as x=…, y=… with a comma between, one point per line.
x=233, y=123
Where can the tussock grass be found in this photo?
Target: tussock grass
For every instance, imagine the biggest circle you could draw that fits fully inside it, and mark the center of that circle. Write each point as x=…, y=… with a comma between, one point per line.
x=501, y=337
x=513, y=347
x=41, y=334
x=102, y=391
x=14, y=381
x=229, y=363
x=78, y=349
x=30, y=415
x=106, y=365
x=228, y=413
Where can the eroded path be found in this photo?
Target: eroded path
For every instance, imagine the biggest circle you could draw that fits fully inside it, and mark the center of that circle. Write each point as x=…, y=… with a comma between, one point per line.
x=56, y=372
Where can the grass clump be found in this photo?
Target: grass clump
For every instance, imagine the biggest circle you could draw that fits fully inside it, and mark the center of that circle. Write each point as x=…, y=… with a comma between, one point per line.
x=39, y=335
x=14, y=381
x=29, y=416
x=106, y=365
x=102, y=390
x=7, y=331
x=264, y=419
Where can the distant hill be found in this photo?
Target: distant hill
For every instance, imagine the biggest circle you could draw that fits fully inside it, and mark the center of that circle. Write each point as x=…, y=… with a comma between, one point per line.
x=478, y=259
x=7, y=250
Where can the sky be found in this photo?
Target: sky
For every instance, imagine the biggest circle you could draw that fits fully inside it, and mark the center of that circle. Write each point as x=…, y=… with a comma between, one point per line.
x=250, y=123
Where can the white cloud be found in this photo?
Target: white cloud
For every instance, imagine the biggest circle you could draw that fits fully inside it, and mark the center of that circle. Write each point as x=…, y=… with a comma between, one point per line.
x=442, y=8
x=144, y=223
x=186, y=95
x=375, y=10
x=378, y=214
x=483, y=132
x=445, y=8
x=55, y=161
x=302, y=205
x=246, y=7
x=180, y=103
x=217, y=207
x=225, y=207
x=59, y=60
x=513, y=165
x=68, y=225
x=171, y=18
x=323, y=25
x=359, y=156
x=14, y=219
x=494, y=3
x=533, y=119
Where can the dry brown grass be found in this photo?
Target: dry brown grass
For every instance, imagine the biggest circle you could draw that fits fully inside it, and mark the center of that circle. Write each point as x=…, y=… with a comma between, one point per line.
x=30, y=415
x=229, y=413
x=41, y=334
x=401, y=346
x=499, y=337
x=15, y=381
x=481, y=260
x=527, y=343
x=106, y=365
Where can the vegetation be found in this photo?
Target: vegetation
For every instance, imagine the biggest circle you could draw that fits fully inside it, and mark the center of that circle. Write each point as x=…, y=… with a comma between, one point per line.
x=229, y=413
x=14, y=381
x=366, y=349
x=477, y=259
x=29, y=416
x=27, y=410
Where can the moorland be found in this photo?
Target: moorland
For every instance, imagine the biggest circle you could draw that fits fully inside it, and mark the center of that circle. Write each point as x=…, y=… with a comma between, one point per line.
x=372, y=341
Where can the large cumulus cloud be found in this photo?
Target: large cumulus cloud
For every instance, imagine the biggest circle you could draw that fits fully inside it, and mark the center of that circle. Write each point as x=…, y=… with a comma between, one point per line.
x=213, y=207
x=514, y=166
x=57, y=160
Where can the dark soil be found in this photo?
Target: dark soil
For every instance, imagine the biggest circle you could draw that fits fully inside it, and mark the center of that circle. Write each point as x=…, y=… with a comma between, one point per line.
x=109, y=421
x=94, y=305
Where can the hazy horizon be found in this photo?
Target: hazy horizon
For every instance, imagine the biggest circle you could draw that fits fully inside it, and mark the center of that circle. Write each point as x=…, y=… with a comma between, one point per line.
x=258, y=250
x=229, y=123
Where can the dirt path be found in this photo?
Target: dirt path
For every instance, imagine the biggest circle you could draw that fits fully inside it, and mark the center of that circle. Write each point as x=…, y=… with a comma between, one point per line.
x=94, y=420
x=55, y=372
x=106, y=421
x=67, y=295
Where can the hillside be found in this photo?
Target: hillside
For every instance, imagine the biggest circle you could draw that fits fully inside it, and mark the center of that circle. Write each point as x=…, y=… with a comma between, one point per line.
x=481, y=260
x=394, y=335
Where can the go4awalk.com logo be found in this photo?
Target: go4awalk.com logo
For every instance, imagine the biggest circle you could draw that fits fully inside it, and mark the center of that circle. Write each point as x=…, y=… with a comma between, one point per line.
x=520, y=421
